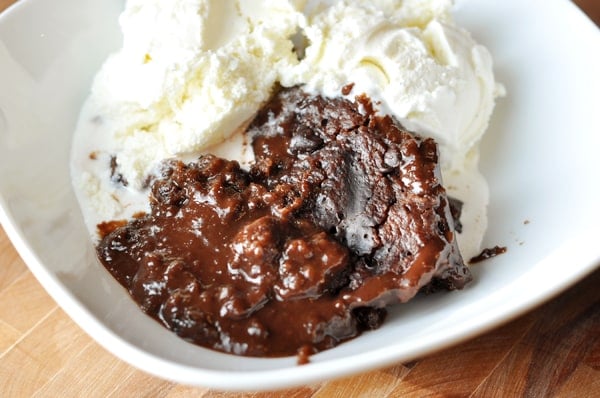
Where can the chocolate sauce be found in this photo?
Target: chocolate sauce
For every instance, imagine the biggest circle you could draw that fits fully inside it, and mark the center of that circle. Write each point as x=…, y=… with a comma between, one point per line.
x=488, y=253
x=341, y=215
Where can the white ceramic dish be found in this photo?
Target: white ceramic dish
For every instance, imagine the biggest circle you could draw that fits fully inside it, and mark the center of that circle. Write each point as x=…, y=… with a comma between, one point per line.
x=540, y=157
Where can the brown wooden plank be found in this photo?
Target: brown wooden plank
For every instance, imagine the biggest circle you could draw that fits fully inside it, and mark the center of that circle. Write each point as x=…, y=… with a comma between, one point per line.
x=5, y=3
x=40, y=354
x=565, y=331
x=139, y=384
x=371, y=384
x=8, y=337
x=24, y=304
x=583, y=382
x=181, y=391
x=592, y=357
x=92, y=373
x=591, y=8
x=12, y=265
x=460, y=369
x=300, y=392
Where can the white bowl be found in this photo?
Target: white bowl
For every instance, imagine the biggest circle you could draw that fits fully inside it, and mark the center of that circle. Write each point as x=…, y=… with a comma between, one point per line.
x=540, y=157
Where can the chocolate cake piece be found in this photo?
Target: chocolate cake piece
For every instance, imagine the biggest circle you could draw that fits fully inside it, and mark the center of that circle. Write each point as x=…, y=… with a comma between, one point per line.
x=373, y=185
x=341, y=215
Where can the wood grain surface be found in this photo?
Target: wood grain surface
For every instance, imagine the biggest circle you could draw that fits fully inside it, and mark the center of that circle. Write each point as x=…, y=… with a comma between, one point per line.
x=553, y=350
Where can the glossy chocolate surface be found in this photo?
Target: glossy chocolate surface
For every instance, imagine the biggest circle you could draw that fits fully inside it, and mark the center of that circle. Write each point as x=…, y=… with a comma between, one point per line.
x=341, y=214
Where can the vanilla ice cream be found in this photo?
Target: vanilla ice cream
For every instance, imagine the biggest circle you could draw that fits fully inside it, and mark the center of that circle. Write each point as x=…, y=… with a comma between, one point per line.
x=188, y=74
x=191, y=72
x=408, y=57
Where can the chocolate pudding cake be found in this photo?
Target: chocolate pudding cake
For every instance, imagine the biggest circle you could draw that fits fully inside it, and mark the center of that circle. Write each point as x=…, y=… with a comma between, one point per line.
x=341, y=214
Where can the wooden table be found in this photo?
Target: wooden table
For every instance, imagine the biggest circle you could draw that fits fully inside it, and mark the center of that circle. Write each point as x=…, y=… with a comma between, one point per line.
x=551, y=351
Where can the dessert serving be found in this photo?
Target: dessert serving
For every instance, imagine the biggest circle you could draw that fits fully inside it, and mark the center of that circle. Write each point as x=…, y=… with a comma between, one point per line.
x=268, y=184
x=341, y=214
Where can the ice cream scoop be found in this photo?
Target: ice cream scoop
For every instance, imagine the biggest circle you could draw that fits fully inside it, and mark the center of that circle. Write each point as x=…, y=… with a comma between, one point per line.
x=188, y=74
x=410, y=58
